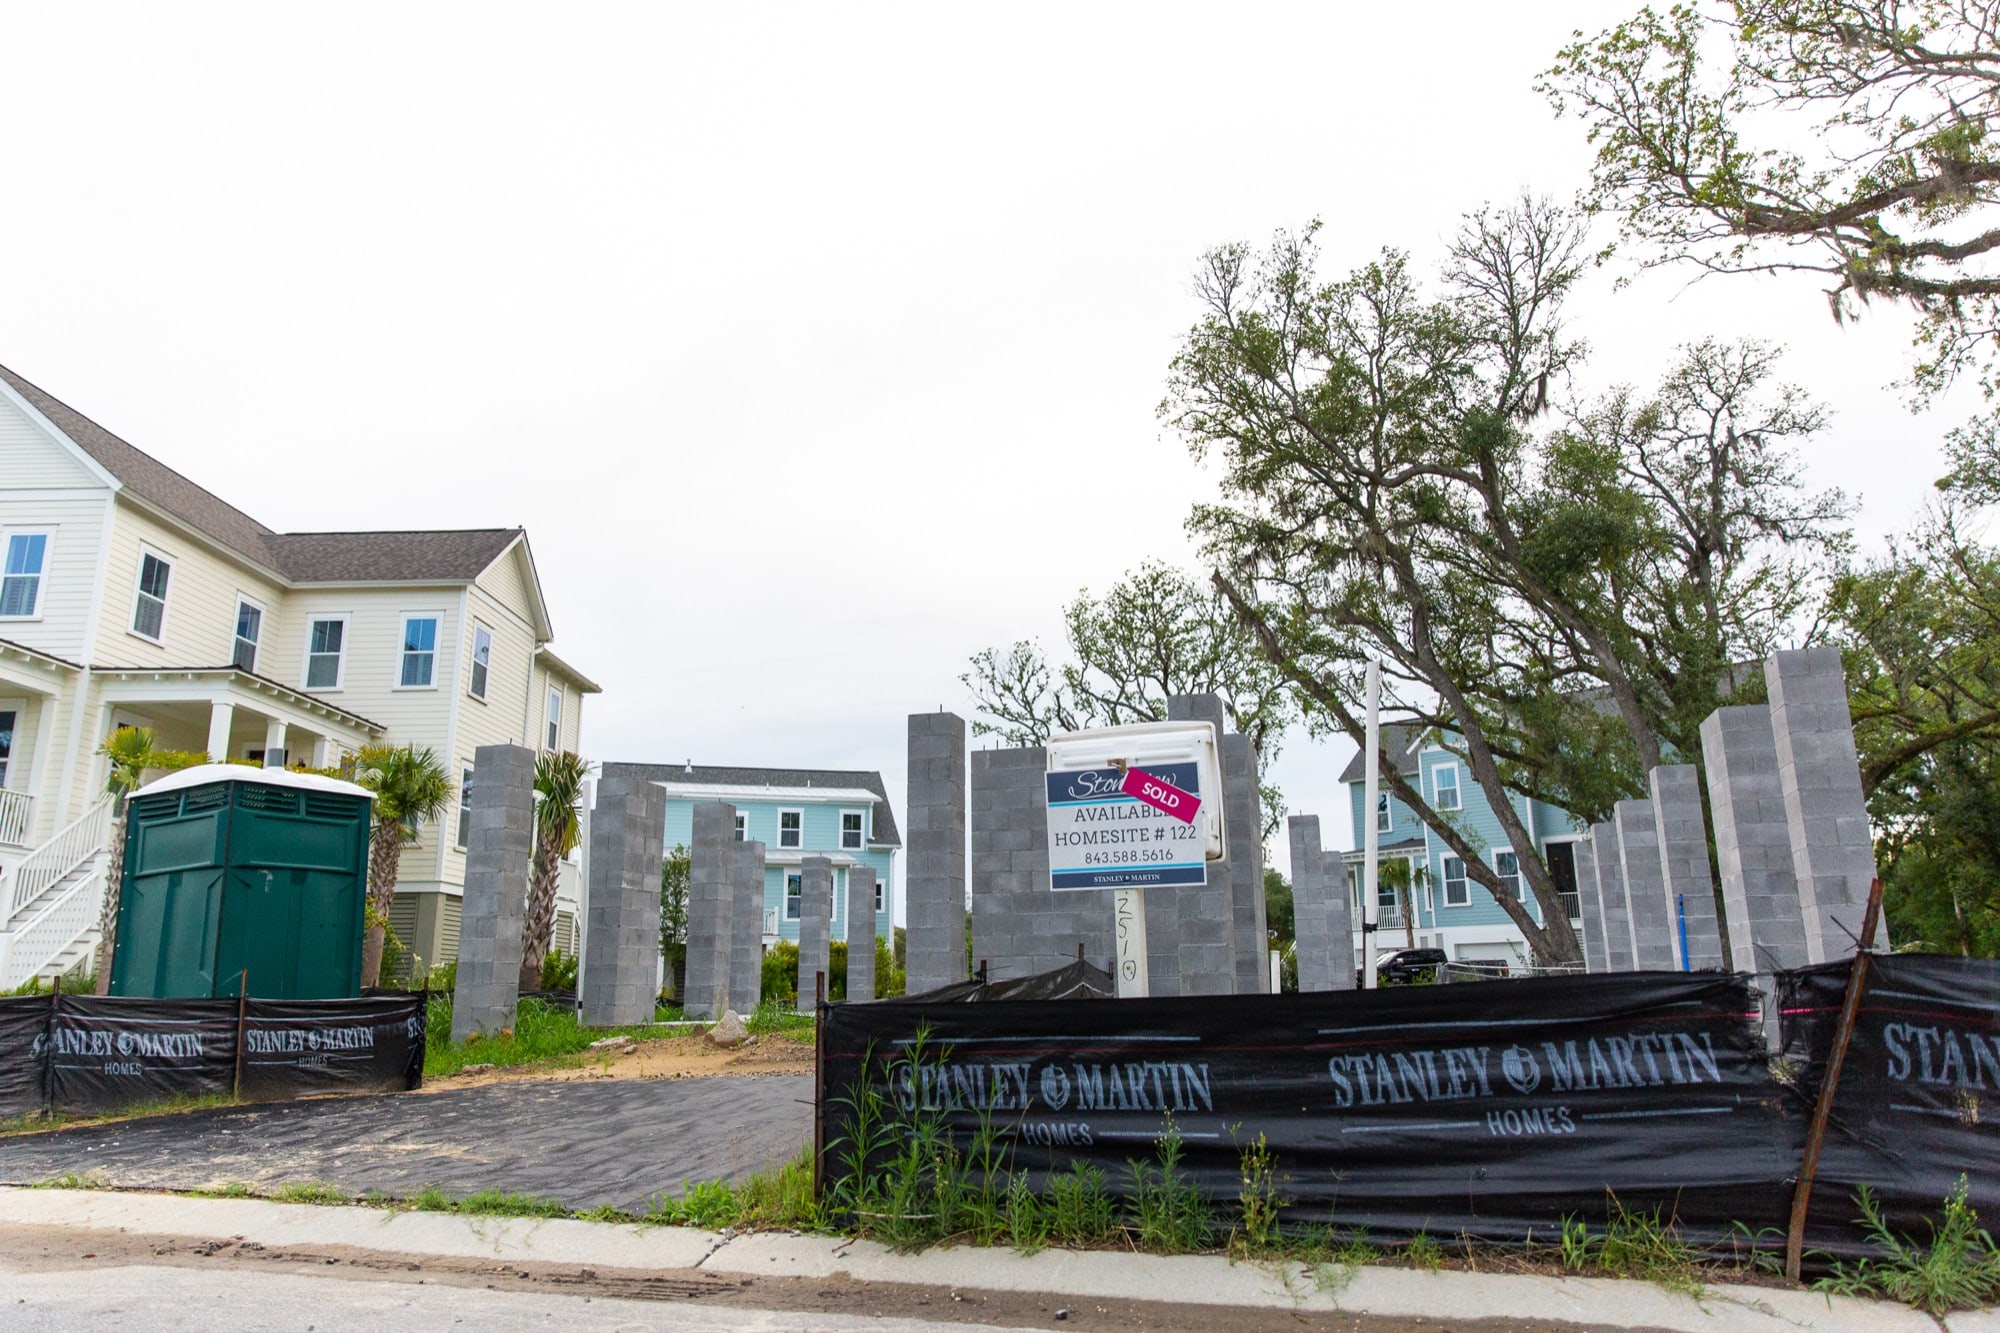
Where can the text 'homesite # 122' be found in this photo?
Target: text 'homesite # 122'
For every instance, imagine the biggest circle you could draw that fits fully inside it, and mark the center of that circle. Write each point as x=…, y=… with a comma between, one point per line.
x=1101, y=837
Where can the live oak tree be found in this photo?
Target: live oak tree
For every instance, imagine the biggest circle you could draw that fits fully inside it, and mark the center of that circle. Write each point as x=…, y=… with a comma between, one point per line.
x=1850, y=140
x=1564, y=596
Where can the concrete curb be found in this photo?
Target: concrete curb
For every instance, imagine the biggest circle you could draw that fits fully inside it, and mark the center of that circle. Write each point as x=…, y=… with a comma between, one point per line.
x=1188, y=1280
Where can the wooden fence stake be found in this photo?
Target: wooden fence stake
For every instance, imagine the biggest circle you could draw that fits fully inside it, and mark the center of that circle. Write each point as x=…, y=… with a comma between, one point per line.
x=1850, y=1009
x=242, y=1013
x=819, y=1079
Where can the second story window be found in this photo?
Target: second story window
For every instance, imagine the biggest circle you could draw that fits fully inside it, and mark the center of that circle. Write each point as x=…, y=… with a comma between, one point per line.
x=795, y=888
x=791, y=828
x=554, y=741
x=742, y=827
x=1455, y=894
x=326, y=648
x=464, y=806
x=249, y=631
x=1384, y=817
x=420, y=638
x=1445, y=785
x=482, y=659
x=1508, y=867
x=26, y=556
x=149, y=608
x=851, y=829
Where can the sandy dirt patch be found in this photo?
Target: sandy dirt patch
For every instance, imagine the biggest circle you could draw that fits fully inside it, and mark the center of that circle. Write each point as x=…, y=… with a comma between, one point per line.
x=683, y=1055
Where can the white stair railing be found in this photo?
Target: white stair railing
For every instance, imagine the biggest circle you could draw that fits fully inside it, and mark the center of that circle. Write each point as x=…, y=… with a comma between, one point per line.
x=17, y=818
x=44, y=935
x=44, y=867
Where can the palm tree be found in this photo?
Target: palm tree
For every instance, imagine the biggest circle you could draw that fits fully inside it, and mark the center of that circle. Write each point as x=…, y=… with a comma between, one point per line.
x=1404, y=875
x=131, y=752
x=559, y=796
x=411, y=788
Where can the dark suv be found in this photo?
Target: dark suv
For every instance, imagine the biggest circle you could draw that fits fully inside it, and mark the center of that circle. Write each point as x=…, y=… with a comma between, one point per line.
x=1405, y=966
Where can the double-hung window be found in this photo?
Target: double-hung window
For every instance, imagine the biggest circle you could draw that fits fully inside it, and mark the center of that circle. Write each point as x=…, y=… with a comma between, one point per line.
x=149, y=607
x=878, y=896
x=249, y=632
x=1455, y=894
x=1444, y=784
x=742, y=827
x=21, y=567
x=791, y=828
x=464, y=806
x=6, y=741
x=482, y=659
x=555, y=719
x=1384, y=817
x=419, y=661
x=1508, y=867
x=326, y=650
x=852, y=823
x=795, y=888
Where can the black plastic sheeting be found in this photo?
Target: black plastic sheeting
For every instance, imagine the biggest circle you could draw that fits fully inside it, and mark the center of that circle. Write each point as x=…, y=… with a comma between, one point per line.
x=1490, y=1109
x=1078, y=981
x=1918, y=1105
x=94, y=1055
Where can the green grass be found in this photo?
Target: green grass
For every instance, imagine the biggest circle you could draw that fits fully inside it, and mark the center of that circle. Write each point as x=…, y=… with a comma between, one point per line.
x=310, y=1191
x=35, y=1121
x=1633, y=1245
x=1959, y=1269
x=542, y=1034
x=234, y=1189
x=71, y=1180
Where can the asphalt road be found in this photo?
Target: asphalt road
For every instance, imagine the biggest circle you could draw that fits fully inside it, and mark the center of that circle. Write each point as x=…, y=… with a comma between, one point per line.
x=615, y=1143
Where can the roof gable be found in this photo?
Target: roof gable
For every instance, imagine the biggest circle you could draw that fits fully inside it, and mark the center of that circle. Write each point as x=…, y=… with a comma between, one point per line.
x=1400, y=741
x=447, y=556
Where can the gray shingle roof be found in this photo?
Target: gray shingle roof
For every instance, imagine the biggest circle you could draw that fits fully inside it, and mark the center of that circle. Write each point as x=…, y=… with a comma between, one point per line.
x=884, y=822
x=304, y=557
x=1397, y=741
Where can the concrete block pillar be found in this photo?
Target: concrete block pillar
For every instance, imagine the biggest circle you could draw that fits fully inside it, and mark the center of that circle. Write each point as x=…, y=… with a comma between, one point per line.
x=1203, y=933
x=815, y=925
x=1321, y=913
x=621, y=970
x=1645, y=887
x=1690, y=888
x=712, y=878
x=1246, y=866
x=1753, y=848
x=1833, y=853
x=499, y=846
x=1611, y=893
x=1020, y=925
x=934, y=875
x=1594, y=957
x=861, y=934
x=746, y=930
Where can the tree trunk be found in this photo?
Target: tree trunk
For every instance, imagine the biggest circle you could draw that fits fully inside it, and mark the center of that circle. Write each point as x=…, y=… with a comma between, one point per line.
x=541, y=922
x=107, y=915
x=385, y=860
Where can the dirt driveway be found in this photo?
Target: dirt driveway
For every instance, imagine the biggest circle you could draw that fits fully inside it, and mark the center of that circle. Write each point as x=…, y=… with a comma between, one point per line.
x=587, y=1142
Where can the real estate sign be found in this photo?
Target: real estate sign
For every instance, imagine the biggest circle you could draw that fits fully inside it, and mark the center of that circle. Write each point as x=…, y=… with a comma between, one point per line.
x=1102, y=837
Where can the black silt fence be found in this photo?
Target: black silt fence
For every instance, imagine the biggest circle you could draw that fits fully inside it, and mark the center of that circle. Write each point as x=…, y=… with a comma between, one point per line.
x=96, y=1055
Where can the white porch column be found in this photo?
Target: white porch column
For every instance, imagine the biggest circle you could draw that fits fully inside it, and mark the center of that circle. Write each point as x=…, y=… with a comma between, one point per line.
x=220, y=716
x=325, y=752
x=274, y=743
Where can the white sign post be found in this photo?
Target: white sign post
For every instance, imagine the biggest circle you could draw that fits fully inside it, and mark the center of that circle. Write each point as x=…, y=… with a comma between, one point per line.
x=1131, y=808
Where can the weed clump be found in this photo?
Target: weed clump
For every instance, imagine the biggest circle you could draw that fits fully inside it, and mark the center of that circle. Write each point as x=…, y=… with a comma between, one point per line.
x=1958, y=1270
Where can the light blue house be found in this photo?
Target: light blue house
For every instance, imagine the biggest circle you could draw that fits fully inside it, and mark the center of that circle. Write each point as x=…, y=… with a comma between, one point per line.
x=795, y=812
x=1452, y=911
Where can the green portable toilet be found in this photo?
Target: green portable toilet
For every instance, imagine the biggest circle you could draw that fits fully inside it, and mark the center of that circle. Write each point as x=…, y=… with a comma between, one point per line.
x=231, y=869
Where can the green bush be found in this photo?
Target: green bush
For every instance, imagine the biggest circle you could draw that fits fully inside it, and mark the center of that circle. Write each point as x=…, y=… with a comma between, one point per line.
x=781, y=973
x=559, y=971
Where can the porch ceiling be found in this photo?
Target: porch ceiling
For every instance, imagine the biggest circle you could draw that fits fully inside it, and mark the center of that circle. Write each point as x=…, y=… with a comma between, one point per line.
x=245, y=691
x=25, y=669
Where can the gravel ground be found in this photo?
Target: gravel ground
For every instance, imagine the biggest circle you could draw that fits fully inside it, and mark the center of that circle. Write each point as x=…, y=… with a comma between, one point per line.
x=616, y=1143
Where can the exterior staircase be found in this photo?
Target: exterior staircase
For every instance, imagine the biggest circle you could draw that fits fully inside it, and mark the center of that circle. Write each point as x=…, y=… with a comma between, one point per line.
x=50, y=898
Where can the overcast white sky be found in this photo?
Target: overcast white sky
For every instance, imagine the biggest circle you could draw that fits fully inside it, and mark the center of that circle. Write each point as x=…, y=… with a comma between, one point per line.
x=816, y=346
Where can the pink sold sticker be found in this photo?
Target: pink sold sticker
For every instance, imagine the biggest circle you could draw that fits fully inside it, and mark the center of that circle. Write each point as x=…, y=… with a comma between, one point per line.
x=1162, y=795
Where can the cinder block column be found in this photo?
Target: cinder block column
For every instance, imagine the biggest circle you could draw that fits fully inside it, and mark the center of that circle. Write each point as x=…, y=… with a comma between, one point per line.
x=1594, y=957
x=712, y=875
x=1753, y=848
x=1246, y=866
x=815, y=925
x=1320, y=912
x=1205, y=936
x=1611, y=892
x=1684, y=862
x=1021, y=926
x=1645, y=887
x=1833, y=853
x=861, y=934
x=934, y=876
x=746, y=930
x=621, y=973
x=499, y=847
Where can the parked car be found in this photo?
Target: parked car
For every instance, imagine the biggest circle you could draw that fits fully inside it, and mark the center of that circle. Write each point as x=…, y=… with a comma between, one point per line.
x=1404, y=966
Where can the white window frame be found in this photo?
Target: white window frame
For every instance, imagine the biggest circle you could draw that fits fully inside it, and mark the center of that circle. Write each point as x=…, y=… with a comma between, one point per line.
x=138, y=591
x=473, y=685
x=861, y=834
x=881, y=893
x=1520, y=880
x=1464, y=882
x=340, y=658
x=463, y=830
x=742, y=826
x=800, y=836
x=41, y=576
x=235, y=637
x=402, y=648
x=1385, y=812
x=793, y=906
x=1437, y=788
x=10, y=709
x=552, y=719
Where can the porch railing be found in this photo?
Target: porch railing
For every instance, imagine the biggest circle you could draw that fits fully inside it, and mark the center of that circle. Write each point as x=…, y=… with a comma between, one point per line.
x=46, y=866
x=17, y=818
x=43, y=936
